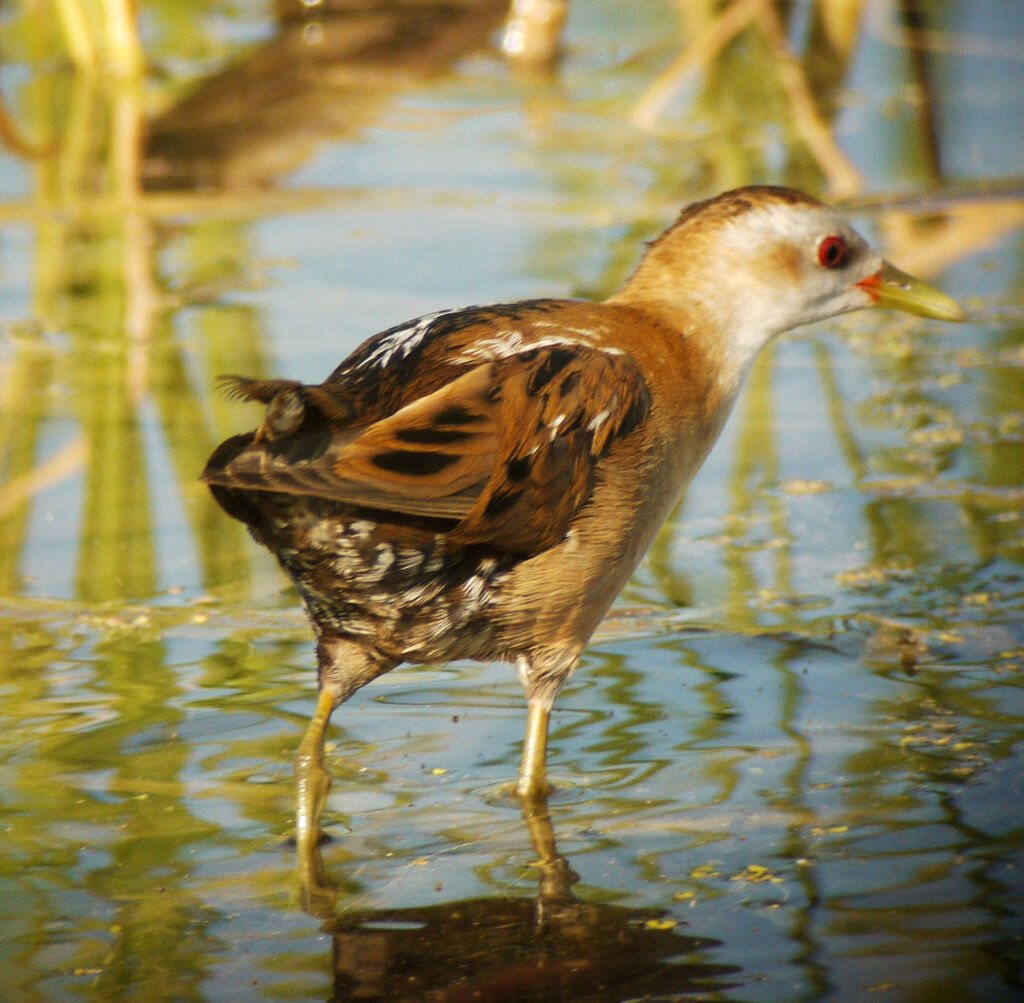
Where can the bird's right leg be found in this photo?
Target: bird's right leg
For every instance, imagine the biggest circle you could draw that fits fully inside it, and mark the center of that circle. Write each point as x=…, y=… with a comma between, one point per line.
x=543, y=675
x=533, y=772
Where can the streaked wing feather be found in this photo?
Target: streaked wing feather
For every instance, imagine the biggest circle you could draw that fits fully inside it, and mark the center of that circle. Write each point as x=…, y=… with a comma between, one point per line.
x=562, y=407
x=507, y=449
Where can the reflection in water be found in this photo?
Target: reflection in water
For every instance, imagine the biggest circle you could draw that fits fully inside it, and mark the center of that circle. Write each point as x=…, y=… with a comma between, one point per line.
x=497, y=949
x=551, y=949
x=323, y=76
x=805, y=102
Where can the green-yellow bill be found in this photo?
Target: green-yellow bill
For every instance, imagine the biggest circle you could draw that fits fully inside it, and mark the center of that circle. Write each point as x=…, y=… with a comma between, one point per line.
x=896, y=290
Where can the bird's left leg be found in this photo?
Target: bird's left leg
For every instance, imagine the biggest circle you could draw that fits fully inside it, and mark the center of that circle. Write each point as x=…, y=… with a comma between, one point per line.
x=342, y=668
x=312, y=781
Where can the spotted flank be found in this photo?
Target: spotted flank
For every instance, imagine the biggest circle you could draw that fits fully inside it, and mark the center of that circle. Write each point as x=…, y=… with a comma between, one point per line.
x=413, y=593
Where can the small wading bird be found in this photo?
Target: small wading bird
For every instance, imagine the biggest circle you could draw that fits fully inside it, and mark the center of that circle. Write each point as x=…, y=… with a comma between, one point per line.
x=481, y=483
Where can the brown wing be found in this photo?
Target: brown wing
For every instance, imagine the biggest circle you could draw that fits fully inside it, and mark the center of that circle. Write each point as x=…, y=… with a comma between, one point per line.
x=507, y=450
x=431, y=458
x=560, y=409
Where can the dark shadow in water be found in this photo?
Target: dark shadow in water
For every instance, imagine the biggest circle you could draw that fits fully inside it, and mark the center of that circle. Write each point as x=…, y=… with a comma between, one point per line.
x=515, y=949
x=550, y=948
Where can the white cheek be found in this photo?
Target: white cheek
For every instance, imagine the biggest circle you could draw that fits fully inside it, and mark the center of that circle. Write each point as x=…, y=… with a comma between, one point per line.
x=859, y=299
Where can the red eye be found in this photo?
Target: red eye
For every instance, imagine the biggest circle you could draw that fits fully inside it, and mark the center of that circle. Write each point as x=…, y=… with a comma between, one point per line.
x=832, y=252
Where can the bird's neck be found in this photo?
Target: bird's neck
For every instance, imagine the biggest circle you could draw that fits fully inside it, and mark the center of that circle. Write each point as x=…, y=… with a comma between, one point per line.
x=726, y=332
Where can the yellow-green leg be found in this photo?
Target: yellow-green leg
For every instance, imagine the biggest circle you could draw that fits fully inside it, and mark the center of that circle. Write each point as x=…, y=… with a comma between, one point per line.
x=342, y=668
x=312, y=783
x=533, y=774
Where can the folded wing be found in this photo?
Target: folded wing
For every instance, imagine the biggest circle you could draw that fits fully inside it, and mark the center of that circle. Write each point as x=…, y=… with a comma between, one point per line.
x=507, y=450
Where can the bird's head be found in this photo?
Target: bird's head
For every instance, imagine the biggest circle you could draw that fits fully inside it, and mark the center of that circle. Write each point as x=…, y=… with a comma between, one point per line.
x=754, y=262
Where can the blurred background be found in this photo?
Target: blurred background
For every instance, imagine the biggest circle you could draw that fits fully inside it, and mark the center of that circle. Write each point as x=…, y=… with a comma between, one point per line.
x=790, y=767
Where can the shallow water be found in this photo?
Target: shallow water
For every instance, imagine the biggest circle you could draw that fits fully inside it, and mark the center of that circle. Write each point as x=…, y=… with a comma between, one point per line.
x=790, y=765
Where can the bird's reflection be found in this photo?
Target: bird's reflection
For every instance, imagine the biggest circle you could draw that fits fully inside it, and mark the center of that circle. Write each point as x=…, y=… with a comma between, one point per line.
x=324, y=74
x=553, y=947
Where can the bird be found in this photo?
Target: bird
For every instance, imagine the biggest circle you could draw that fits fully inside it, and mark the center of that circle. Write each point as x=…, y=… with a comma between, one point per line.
x=480, y=483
